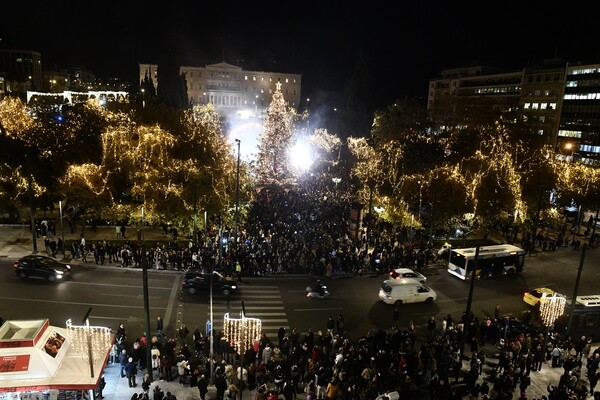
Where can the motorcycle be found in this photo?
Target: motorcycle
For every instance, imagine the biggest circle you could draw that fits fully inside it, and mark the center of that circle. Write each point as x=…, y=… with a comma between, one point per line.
x=317, y=292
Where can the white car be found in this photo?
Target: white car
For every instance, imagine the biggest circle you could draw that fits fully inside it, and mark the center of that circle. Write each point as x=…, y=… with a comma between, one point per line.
x=406, y=290
x=400, y=273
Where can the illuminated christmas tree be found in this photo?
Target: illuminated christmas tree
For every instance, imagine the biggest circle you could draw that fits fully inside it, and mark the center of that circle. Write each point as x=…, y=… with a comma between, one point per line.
x=272, y=166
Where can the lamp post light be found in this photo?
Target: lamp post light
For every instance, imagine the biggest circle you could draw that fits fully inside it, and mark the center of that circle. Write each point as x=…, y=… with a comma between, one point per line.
x=570, y=146
x=144, y=262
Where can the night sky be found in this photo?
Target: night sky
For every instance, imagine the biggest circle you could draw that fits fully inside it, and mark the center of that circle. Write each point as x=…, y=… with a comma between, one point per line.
x=405, y=43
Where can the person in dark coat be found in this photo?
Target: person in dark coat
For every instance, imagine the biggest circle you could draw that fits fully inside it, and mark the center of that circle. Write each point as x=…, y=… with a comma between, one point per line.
x=131, y=371
x=158, y=394
x=203, y=386
x=220, y=384
x=123, y=357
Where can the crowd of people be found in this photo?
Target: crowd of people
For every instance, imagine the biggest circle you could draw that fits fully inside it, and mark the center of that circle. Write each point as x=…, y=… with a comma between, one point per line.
x=290, y=231
x=325, y=364
x=300, y=231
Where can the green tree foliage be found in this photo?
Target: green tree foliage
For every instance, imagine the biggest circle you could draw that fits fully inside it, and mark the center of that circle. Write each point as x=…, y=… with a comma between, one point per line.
x=171, y=87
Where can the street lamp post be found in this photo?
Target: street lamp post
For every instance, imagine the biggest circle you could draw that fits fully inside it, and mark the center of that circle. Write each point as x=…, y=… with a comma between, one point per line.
x=237, y=196
x=144, y=262
x=62, y=230
x=420, y=199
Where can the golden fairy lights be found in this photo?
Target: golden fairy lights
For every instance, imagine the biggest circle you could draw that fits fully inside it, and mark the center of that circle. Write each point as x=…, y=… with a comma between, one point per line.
x=241, y=331
x=102, y=340
x=272, y=164
x=551, y=307
x=16, y=119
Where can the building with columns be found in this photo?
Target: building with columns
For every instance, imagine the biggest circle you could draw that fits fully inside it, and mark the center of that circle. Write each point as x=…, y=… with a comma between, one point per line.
x=233, y=91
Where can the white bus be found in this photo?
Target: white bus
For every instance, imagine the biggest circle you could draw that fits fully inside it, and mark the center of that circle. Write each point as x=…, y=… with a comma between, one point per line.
x=497, y=260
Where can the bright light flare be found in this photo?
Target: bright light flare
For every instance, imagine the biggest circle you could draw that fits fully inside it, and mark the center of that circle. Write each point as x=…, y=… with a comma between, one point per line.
x=301, y=156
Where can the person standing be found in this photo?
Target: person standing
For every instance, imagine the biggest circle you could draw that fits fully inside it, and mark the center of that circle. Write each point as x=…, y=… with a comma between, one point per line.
x=203, y=386
x=220, y=384
x=60, y=247
x=431, y=325
x=131, y=371
x=121, y=335
x=159, y=327
x=167, y=367
x=123, y=361
x=330, y=326
x=83, y=249
x=339, y=325
x=396, y=315
x=101, y=386
x=238, y=270
x=158, y=393
x=155, y=354
x=332, y=389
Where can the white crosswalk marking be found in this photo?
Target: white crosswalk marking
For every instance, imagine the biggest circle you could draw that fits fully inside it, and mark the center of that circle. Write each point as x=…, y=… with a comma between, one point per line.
x=260, y=301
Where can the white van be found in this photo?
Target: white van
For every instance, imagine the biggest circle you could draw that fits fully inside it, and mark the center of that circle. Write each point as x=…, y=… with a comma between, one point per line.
x=406, y=290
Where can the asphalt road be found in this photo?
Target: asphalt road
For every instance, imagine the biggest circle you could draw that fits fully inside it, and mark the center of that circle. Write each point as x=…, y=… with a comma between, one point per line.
x=116, y=295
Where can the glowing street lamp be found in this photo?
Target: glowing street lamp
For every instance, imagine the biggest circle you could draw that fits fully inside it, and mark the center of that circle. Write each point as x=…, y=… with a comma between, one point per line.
x=570, y=146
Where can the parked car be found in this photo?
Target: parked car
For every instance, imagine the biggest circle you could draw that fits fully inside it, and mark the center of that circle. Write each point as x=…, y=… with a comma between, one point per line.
x=511, y=328
x=400, y=273
x=533, y=296
x=41, y=267
x=198, y=281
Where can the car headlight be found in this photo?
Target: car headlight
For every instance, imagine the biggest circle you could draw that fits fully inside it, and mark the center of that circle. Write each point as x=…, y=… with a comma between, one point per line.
x=233, y=287
x=58, y=272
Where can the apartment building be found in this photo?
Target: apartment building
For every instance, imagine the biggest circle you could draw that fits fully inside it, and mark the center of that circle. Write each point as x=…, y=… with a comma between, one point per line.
x=542, y=91
x=560, y=102
x=579, y=128
x=234, y=91
x=22, y=71
x=473, y=94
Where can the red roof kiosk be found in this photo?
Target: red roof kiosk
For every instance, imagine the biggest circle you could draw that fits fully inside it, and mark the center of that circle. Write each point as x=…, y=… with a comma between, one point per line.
x=38, y=360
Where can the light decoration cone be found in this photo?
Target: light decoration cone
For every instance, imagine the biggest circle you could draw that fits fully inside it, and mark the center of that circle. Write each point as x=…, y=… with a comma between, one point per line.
x=102, y=340
x=238, y=337
x=551, y=307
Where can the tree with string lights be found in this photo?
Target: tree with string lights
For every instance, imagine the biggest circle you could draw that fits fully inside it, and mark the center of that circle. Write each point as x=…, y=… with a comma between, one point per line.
x=169, y=171
x=272, y=164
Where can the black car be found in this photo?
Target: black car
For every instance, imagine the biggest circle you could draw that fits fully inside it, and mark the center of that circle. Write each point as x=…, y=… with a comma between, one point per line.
x=198, y=281
x=511, y=328
x=41, y=267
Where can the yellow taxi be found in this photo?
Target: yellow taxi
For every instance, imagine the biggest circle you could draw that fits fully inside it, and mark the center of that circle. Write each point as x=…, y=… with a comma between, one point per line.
x=533, y=296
